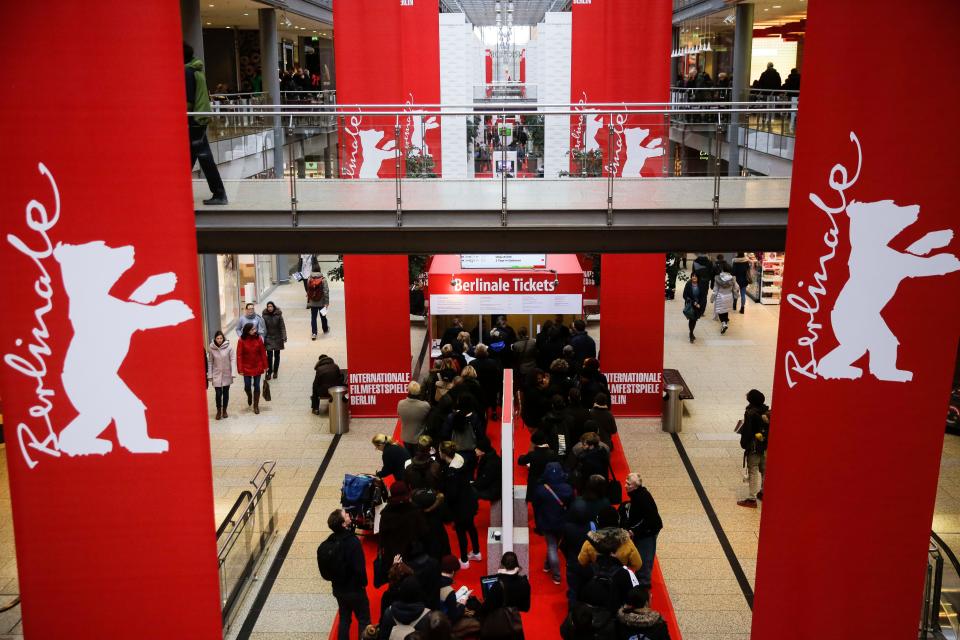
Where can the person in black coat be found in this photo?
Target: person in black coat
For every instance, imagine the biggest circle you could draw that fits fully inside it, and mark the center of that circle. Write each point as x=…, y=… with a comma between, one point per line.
x=741, y=272
x=557, y=426
x=350, y=586
x=792, y=83
x=401, y=524
x=636, y=619
x=577, y=413
x=702, y=268
x=511, y=589
x=673, y=269
x=461, y=502
x=395, y=456
x=640, y=517
x=489, y=474
x=409, y=609
x=694, y=294
x=572, y=536
x=435, y=542
x=490, y=377
x=753, y=440
x=536, y=398
x=450, y=333
x=592, y=382
x=537, y=459
x=592, y=459
x=606, y=423
x=583, y=345
x=770, y=78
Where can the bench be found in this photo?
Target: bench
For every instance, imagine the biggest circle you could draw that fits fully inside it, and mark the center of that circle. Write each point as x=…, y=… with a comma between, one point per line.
x=672, y=376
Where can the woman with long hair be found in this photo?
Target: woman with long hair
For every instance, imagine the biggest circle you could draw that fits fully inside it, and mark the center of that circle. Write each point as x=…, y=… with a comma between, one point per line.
x=462, y=502
x=275, y=337
x=220, y=369
x=251, y=363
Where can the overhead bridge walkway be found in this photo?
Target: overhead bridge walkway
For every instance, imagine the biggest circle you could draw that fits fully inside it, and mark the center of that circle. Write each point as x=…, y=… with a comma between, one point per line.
x=432, y=215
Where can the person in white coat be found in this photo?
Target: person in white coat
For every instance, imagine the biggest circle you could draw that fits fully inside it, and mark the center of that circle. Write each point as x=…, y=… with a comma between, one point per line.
x=725, y=289
x=220, y=370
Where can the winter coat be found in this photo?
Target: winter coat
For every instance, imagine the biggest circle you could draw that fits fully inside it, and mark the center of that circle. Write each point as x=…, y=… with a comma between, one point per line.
x=276, y=330
x=461, y=498
x=422, y=473
x=756, y=420
x=640, y=516
x=770, y=79
x=460, y=431
x=548, y=510
x=574, y=531
x=403, y=613
x=610, y=540
x=220, y=364
x=577, y=416
x=490, y=377
x=589, y=462
x=741, y=271
x=703, y=269
x=256, y=319
x=592, y=383
x=583, y=346
x=510, y=590
x=556, y=424
x=538, y=458
x=401, y=524
x=725, y=290
x=489, y=473
x=606, y=424
x=251, y=356
x=354, y=579
x=641, y=623
x=592, y=592
x=413, y=417
x=324, y=300
x=394, y=458
x=701, y=299
x=525, y=358
x=327, y=375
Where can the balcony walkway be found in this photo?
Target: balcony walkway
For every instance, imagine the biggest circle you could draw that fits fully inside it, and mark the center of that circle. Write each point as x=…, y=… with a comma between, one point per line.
x=465, y=215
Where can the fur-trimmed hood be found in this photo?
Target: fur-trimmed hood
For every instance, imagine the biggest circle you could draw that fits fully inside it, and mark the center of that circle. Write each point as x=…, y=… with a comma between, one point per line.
x=608, y=539
x=638, y=618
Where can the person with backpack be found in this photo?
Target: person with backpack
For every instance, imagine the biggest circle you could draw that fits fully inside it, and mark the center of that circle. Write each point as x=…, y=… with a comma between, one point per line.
x=610, y=539
x=405, y=616
x=754, y=433
x=604, y=592
x=198, y=100
x=637, y=621
x=422, y=471
x=341, y=561
x=318, y=300
x=550, y=498
x=577, y=524
x=641, y=519
x=432, y=504
x=306, y=264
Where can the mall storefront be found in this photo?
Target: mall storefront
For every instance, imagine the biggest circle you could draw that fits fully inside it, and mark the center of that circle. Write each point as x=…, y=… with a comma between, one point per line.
x=230, y=281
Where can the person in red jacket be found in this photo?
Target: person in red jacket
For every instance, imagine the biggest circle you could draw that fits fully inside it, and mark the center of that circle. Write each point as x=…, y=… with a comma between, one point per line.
x=251, y=363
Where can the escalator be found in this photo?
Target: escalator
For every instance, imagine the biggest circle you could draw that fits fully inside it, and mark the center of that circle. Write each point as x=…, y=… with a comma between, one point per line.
x=941, y=602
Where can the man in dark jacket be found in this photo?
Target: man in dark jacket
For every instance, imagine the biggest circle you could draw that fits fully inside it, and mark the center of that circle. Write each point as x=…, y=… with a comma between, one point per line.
x=489, y=473
x=592, y=458
x=583, y=345
x=490, y=377
x=550, y=499
x=450, y=333
x=409, y=610
x=641, y=519
x=770, y=78
x=350, y=586
x=574, y=532
x=703, y=269
x=198, y=99
x=327, y=375
x=401, y=523
x=636, y=619
x=753, y=440
x=606, y=423
x=577, y=413
x=537, y=459
x=792, y=83
x=673, y=268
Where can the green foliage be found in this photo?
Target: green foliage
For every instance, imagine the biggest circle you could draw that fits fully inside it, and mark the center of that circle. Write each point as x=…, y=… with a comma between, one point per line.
x=420, y=165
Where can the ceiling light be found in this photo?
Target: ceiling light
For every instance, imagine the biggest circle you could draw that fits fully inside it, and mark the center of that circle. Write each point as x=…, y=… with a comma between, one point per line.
x=777, y=6
x=208, y=24
x=246, y=14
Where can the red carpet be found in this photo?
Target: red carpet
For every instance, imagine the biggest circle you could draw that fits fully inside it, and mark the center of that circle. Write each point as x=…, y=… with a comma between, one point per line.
x=548, y=606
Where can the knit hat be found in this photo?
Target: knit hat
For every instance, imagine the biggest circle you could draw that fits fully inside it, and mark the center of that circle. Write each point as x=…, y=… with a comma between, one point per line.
x=449, y=564
x=409, y=590
x=607, y=517
x=755, y=397
x=399, y=491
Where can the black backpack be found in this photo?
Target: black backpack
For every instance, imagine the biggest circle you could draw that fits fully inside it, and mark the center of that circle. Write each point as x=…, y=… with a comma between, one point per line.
x=330, y=557
x=600, y=587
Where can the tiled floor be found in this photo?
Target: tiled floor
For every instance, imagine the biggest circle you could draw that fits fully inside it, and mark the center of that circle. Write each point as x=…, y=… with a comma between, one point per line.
x=719, y=370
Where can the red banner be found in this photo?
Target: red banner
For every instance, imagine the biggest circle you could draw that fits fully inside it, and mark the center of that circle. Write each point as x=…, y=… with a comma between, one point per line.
x=620, y=53
x=102, y=382
x=867, y=338
x=388, y=52
x=631, y=337
x=377, y=305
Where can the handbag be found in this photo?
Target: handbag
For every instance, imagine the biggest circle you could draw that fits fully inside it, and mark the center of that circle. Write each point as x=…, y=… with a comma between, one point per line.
x=688, y=310
x=266, y=391
x=614, y=488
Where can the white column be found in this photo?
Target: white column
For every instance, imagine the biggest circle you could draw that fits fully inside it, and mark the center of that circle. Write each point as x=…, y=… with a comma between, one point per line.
x=554, y=50
x=455, y=88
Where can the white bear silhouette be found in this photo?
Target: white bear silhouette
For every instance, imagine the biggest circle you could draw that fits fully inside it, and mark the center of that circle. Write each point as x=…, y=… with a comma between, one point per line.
x=102, y=328
x=876, y=271
x=373, y=156
x=419, y=136
x=594, y=124
x=637, y=152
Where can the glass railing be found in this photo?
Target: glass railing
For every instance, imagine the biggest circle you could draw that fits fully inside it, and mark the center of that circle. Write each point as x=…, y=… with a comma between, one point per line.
x=505, y=91
x=243, y=539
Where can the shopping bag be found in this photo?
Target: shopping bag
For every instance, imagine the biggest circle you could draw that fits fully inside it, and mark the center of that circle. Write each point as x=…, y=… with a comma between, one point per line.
x=266, y=391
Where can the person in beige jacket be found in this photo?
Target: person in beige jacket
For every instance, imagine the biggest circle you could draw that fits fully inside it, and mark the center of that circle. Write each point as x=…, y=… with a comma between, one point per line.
x=609, y=538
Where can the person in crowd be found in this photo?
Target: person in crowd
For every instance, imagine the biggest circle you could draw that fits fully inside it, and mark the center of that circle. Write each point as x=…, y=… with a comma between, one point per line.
x=395, y=575
x=719, y=264
x=573, y=363
x=307, y=264
x=452, y=358
x=326, y=374
x=770, y=78
x=250, y=316
x=220, y=368
x=436, y=543
x=550, y=342
x=603, y=593
x=673, y=270
x=583, y=345
x=501, y=339
x=725, y=292
x=610, y=538
x=560, y=326
x=536, y=398
x=702, y=268
x=318, y=300
x=577, y=414
x=462, y=502
x=551, y=496
x=694, y=297
x=602, y=416
x=576, y=526
x=465, y=429
x=490, y=377
x=348, y=569
x=198, y=100
x=489, y=473
x=592, y=457
x=754, y=433
x=251, y=363
x=426, y=568
x=592, y=382
x=537, y=459
x=636, y=619
x=450, y=333
x=394, y=456
x=792, y=83
x=557, y=426
x=741, y=273
x=438, y=627
x=437, y=418
x=422, y=471
x=524, y=352
x=455, y=608
x=407, y=614
x=560, y=379
x=412, y=412
x=595, y=495
x=274, y=338
x=469, y=385
x=512, y=588
x=401, y=523
x=640, y=518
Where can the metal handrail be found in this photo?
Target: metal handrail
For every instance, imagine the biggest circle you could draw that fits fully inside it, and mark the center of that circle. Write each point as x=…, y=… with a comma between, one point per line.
x=333, y=110
x=511, y=105
x=228, y=520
